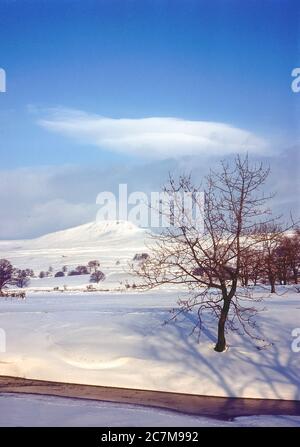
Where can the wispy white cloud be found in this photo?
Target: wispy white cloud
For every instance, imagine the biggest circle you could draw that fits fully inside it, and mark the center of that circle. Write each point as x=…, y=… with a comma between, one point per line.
x=156, y=137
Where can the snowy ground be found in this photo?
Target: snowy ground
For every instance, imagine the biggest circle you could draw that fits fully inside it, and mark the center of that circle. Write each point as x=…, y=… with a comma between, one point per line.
x=117, y=338
x=35, y=411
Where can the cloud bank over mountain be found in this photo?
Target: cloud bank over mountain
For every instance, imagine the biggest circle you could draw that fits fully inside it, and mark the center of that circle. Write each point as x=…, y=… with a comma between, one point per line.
x=39, y=200
x=154, y=137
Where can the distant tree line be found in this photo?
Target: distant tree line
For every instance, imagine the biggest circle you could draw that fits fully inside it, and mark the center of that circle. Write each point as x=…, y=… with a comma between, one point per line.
x=9, y=275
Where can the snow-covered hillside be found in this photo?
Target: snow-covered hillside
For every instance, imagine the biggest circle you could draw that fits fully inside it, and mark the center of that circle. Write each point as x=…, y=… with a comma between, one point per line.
x=108, y=241
x=91, y=234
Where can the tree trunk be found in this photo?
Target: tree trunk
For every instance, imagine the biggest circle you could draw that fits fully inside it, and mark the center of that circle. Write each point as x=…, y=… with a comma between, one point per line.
x=221, y=342
x=295, y=272
x=285, y=279
x=273, y=286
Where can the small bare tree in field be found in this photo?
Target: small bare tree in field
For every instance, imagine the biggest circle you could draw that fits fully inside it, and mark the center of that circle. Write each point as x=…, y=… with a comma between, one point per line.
x=6, y=273
x=21, y=278
x=251, y=267
x=289, y=257
x=210, y=262
x=97, y=276
x=270, y=235
x=93, y=265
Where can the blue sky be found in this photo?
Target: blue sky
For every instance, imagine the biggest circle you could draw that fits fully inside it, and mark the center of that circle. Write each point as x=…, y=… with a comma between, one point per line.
x=226, y=62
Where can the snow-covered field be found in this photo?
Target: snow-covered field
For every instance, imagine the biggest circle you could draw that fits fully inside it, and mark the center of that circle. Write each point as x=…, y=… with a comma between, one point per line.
x=116, y=337
x=48, y=411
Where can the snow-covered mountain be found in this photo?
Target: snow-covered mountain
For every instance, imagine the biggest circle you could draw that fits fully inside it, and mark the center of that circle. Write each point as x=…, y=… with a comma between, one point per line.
x=91, y=234
x=110, y=240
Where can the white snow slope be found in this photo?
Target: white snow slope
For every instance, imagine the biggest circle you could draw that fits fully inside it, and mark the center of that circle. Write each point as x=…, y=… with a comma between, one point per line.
x=117, y=337
x=108, y=241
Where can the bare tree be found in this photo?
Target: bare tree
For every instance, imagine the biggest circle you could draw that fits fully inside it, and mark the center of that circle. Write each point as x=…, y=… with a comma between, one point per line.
x=81, y=270
x=290, y=256
x=270, y=237
x=294, y=255
x=21, y=277
x=6, y=273
x=250, y=266
x=254, y=265
x=93, y=265
x=282, y=260
x=97, y=276
x=209, y=262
